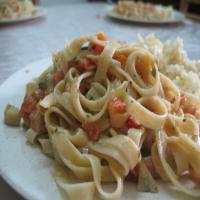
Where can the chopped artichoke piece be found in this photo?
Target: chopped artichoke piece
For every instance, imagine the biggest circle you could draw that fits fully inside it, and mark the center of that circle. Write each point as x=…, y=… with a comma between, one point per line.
x=46, y=146
x=12, y=115
x=31, y=136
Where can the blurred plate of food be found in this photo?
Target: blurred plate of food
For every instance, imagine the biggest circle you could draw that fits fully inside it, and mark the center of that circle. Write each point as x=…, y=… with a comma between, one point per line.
x=12, y=11
x=144, y=13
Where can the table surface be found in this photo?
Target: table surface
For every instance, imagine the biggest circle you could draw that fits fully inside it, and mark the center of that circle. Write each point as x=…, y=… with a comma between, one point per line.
x=24, y=43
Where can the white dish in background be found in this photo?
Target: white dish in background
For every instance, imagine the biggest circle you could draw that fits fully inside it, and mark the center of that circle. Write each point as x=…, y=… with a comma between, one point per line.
x=26, y=168
x=40, y=13
x=178, y=17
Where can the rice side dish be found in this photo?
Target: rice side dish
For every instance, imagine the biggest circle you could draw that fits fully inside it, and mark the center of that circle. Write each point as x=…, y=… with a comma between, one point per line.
x=174, y=62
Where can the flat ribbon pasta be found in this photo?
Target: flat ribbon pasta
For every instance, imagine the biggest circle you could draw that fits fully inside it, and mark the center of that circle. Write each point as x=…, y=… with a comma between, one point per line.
x=104, y=62
x=150, y=111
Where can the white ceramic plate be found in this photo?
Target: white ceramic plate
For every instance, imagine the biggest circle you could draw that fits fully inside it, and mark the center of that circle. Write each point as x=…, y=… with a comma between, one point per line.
x=178, y=17
x=40, y=13
x=25, y=167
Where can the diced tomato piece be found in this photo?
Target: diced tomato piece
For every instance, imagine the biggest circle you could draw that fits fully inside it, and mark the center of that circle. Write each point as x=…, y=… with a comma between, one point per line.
x=191, y=109
x=116, y=106
x=117, y=111
x=97, y=49
x=121, y=58
x=86, y=64
x=101, y=36
x=93, y=130
x=182, y=100
x=32, y=119
x=132, y=123
x=28, y=106
x=58, y=76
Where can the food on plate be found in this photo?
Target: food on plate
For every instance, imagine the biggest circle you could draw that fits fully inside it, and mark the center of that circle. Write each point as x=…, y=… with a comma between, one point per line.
x=141, y=10
x=13, y=9
x=106, y=110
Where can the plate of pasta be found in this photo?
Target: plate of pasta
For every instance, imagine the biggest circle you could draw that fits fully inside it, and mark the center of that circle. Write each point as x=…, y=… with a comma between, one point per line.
x=105, y=117
x=144, y=12
x=12, y=11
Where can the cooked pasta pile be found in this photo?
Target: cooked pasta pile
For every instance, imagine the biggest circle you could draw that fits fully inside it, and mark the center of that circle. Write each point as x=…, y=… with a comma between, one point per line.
x=143, y=10
x=105, y=112
x=12, y=9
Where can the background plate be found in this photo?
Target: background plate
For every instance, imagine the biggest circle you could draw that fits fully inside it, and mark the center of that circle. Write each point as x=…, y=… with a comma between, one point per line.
x=178, y=17
x=40, y=13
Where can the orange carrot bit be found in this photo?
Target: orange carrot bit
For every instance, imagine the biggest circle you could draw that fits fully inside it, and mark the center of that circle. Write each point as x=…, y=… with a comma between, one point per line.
x=116, y=106
x=93, y=130
x=121, y=58
x=101, y=36
x=96, y=48
x=132, y=123
x=140, y=70
x=144, y=67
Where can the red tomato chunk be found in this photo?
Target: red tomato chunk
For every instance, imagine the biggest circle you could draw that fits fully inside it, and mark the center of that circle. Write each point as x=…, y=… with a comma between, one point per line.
x=132, y=123
x=116, y=106
x=93, y=130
